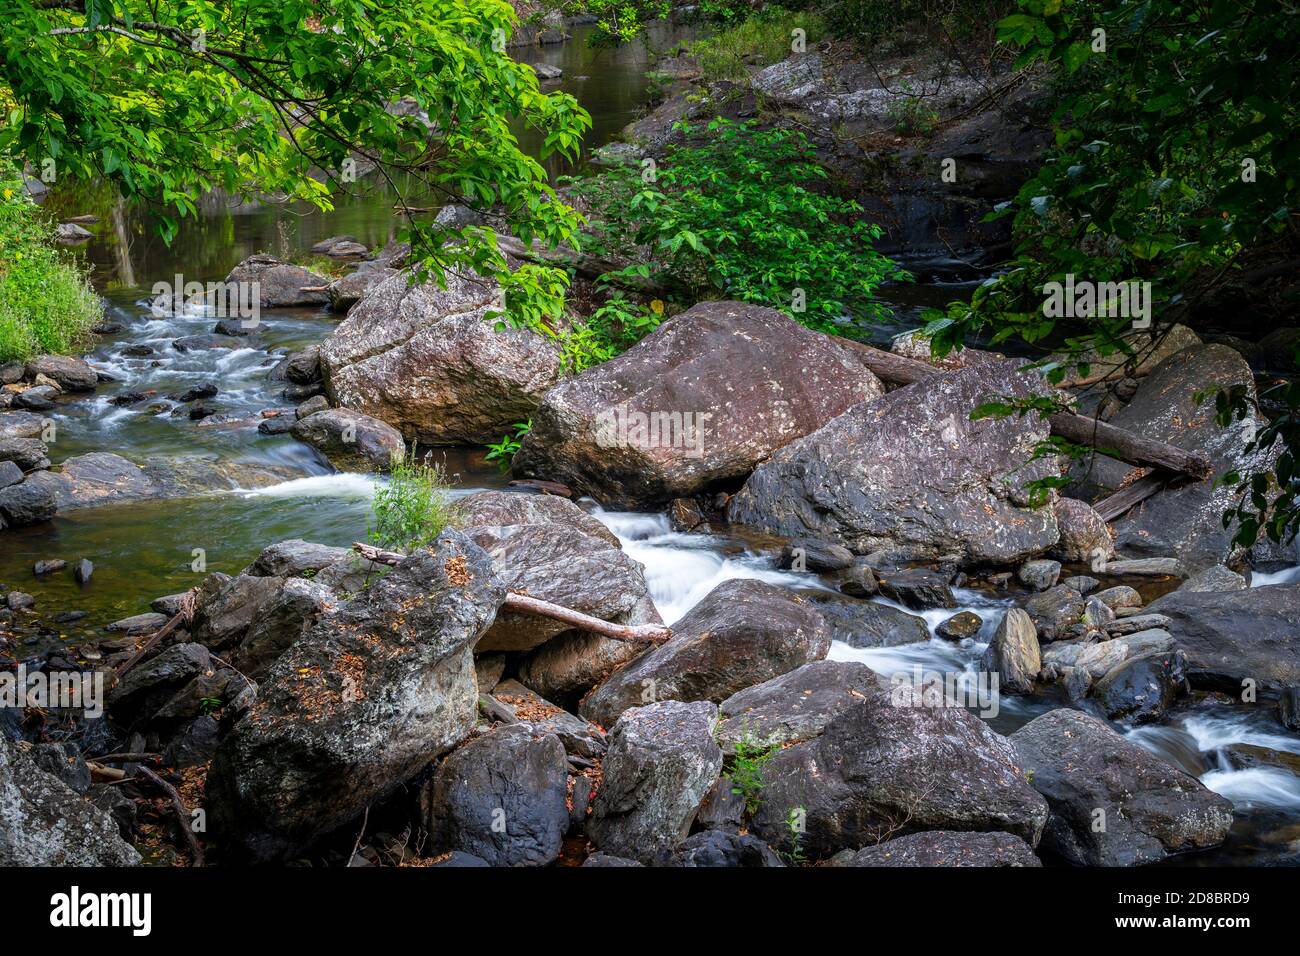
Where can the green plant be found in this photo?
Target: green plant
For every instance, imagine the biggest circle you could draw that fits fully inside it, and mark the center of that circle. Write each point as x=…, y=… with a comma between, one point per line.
x=760, y=40
x=745, y=214
x=794, y=825
x=413, y=506
x=617, y=325
x=747, y=768
x=505, y=449
x=46, y=305
x=911, y=115
x=209, y=705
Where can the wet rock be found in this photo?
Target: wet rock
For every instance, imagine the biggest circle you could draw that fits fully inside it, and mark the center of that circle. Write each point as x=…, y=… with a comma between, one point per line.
x=501, y=797
x=1101, y=658
x=1232, y=636
x=911, y=476
x=662, y=759
x=793, y=707
x=1054, y=611
x=1142, y=688
x=71, y=374
x=1151, y=810
x=427, y=361
x=297, y=394
x=350, y=439
x=1084, y=535
x=892, y=763
x=1214, y=578
x=947, y=848
x=1013, y=653
x=1039, y=575
x=45, y=823
x=279, y=425
x=138, y=624
x=806, y=554
x=500, y=508
x=206, y=390
x=742, y=633
x=303, y=367
x=721, y=848
x=960, y=626
x=149, y=685
x=27, y=453
x=865, y=624
x=280, y=284
x=293, y=609
x=685, y=515
x=917, y=588
x=317, y=403
x=1118, y=597
x=202, y=343
x=361, y=704
x=236, y=327
x=20, y=425
x=26, y=503
x=38, y=398
x=697, y=403
x=294, y=558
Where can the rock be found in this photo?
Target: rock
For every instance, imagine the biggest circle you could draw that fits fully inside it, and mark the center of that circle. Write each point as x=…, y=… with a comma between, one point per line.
x=501, y=797
x=488, y=670
x=546, y=72
x=361, y=704
x=346, y=291
x=65, y=762
x=723, y=807
x=38, y=398
x=206, y=390
x=1288, y=708
x=458, y=859
x=303, y=367
x=45, y=823
x=1039, y=575
x=948, y=848
x=1233, y=636
x=324, y=247
x=297, y=394
x=911, y=476
x=71, y=374
x=1151, y=810
x=858, y=581
x=1214, y=578
x=317, y=403
x=697, y=403
x=572, y=663
x=279, y=425
x=202, y=343
x=579, y=738
x=19, y=601
x=916, y=588
x=685, y=515
x=1013, y=653
x=662, y=759
x=455, y=216
x=238, y=328
x=1100, y=659
x=280, y=284
x=501, y=508
x=721, y=848
x=294, y=558
x=1082, y=583
x=11, y=373
x=892, y=763
x=742, y=633
x=194, y=745
x=1084, y=535
x=960, y=626
x=20, y=425
x=350, y=439
x=27, y=453
x=1184, y=522
x=864, y=624
x=139, y=624
x=569, y=568
x=805, y=554
x=1137, y=623
x=225, y=608
x=1054, y=611
x=27, y=503
x=294, y=608
x=42, y=568
x=608, y=859
x=1142, y=688
x=1118, y=597
x=149, y=685
x=427, y=361
x=70, y=234
x=793, y=707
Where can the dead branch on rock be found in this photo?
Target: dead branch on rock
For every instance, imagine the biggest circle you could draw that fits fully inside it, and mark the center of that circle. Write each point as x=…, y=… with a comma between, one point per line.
x=182, y=814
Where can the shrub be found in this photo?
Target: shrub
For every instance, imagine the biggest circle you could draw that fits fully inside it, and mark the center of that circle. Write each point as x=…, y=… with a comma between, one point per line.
x=761, y=40
x=414, y=506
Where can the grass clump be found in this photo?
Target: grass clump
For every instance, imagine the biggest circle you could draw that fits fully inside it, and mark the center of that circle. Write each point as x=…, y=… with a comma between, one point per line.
x=763, y=39
x=46, y=305
x=414, y=506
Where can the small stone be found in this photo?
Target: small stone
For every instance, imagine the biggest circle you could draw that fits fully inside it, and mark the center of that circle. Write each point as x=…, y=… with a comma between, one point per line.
x=82, y=571
x=48, y=567
x=1039, y=575
x=20, y=601
x=206, y=390
x=960, y=626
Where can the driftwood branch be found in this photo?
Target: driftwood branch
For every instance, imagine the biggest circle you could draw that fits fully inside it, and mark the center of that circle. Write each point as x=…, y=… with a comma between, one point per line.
x=523, y=604
x=1106, y=438
x=1130, y=496
x=182, y=616
x=182, y=814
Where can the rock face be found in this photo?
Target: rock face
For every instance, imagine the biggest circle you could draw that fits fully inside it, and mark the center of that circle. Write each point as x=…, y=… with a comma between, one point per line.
x=350, y=439
x=427, y=361
x=1182, y=522
x=892, y=763
x=1230, y=636
x=743, y=633
x=280, y=283
x=947, y=848
x=43, y=822
x=1013, y=653
x=501, y=797
x=294, y=607
x=363, y=702
x=911, y=476
x=1151, y=810
x=693, y=406
x=796, y=706
x=662, y=759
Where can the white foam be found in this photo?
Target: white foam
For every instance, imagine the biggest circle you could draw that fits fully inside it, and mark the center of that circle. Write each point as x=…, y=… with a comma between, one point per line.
x=1285, y=576
x=1256, y=787
x=345, y=485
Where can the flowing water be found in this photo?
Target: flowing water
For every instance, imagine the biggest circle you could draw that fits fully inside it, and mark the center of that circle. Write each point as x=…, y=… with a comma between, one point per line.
x=145, y=550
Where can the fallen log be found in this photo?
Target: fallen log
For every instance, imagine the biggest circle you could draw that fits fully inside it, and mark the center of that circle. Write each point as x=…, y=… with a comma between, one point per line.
x=1105, y=438
x=523, y=604
x=1130, y=495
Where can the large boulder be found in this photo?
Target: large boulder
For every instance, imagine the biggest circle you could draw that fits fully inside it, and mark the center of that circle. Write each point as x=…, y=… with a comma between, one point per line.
x=1233, y=636
x=350, y=439
x=696, y=404
x=294, y=557
x=429, y=362
x=662, y=760
x=26, y=453
x=280, y=284
x=70, y=374
x=793, y=707
x=225, y=608
x=894, y=764
x=744, y=632
x=43, y=822
x=947, y=848
x=911, y=476
x=1084, y=535
x=1113, y=802
x=358, y=706
x=295, y=606
x=1183, y=521
x=501, y=797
